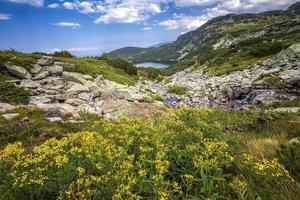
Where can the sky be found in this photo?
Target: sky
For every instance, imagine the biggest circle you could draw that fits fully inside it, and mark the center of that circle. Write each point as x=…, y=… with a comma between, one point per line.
x=91, y=27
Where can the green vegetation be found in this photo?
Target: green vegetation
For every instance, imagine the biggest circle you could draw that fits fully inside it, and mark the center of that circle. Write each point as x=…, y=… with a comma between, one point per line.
x=152, y=98
x=180, y=90
x=93, y=67
x=9, y=93
x=287, y=103
x=65, y=54
x=18, y=58
x=184, y=154
x=274, y=82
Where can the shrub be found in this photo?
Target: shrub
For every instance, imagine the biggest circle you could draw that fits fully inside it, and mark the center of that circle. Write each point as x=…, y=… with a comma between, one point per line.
x=174, y=156
x=289, y=156
x=9, y=93
x=180, y=90
x=64, y=54
x=124, y=65
x=275, y=82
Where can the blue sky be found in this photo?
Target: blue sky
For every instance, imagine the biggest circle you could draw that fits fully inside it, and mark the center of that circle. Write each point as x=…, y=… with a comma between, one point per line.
x=90, y=27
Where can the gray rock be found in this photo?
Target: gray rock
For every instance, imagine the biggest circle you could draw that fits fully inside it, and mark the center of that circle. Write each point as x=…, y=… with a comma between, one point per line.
x=18, y=71
x=55, y=119
x=75, y=77
x=41, y=75
x=45, y=61
x=29, y=84
x=84, y=96
x=4, y=107
x=10, y=116
x=74, y=101
x=35, y=69
x=55, y=70
x=123, y=94
x=288, y=109
x=77, y=88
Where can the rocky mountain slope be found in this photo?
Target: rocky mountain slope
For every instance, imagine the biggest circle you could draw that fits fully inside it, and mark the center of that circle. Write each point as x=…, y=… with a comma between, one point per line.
x=229, y=35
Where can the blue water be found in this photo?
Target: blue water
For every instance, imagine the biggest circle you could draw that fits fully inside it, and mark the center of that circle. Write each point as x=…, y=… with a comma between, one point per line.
x=152, y=64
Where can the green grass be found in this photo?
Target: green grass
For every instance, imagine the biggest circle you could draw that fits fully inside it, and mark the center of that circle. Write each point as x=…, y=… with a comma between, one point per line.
x=9, y=93
x=95, y=67
x=180, y=90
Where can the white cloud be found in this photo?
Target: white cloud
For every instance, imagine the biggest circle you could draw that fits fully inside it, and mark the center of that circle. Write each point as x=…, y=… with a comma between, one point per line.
x=222, y=8
x=187, y=3
x=4, y=16
x=147, y=28
x=53, y=5
x=76, y=49
x=37, y=3
x=72, y=25
x=69, y=5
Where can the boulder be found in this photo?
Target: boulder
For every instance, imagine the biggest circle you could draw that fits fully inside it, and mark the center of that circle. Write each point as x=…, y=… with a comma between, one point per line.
x=18, y=71
x=55, y=70
x=63, y=109
x=65, y=66
x=35, y=69
x=74, y=101
x=45, y=61
x=29, y=84
x=4, y=107
x=288, y=109
x=75, y=77
x=10, y=116
x=77, y=88
x=86, y=108
x=123, y=94
x=41, y=75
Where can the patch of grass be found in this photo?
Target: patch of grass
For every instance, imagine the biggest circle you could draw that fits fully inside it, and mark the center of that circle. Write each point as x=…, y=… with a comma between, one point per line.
x=180, y=90
x=287, y=103
x=9, y=93
x=274, y=82
x=95, y=67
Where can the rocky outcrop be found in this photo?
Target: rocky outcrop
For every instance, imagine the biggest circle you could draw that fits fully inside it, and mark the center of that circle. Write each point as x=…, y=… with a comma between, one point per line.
x=17, y=71
x=4, y=107
x=274, y=80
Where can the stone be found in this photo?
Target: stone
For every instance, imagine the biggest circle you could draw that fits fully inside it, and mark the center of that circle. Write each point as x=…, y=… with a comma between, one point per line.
x=55, y=119
x=45, y=61
x=288, y=109
x=74, y=101
x=84, y=96
x=55, y=70
x=87, y=77
x=41, y=75
x=85, y=108
x=35, y=69
x=4, y=107
x=75, y=77
x=10, y=116
x=57, y=109
x=77, y=88
x=29, y=84
x=20, y=72
x=65, y=66
x=91, y=85
x=123, y=94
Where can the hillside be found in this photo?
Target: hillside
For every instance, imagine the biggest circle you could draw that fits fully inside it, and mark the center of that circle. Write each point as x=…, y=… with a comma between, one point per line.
x=216, y=42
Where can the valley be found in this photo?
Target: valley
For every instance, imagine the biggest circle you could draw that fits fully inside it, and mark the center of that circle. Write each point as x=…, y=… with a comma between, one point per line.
x=212, y=115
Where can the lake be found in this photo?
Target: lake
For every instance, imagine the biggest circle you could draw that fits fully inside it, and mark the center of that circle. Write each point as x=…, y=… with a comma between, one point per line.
x=152, y=64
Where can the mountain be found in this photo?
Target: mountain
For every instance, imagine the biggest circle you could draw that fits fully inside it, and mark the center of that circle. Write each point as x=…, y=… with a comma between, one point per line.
x=225, y=41
x=160, y=44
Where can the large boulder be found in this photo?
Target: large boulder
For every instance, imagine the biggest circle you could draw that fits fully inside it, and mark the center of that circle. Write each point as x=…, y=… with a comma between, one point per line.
x=18, y=71
x=4, y=107
x=75, y=77
x=65, y=66
x=30, y=84
x=55, y=70
x=45, y=61
x=123, y=94
x=36, y=69
x=41, y=75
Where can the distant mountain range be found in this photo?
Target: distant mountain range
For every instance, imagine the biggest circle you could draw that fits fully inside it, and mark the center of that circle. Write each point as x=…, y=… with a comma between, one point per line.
x=222, y=37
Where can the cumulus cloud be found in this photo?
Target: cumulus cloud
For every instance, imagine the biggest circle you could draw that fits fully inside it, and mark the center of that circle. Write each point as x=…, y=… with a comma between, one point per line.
x=222, y=8
x=188, y=3
x=148, y=28
x=37, y=3
x=72, y=25
x=4, y=16
x=76, y=49
x=53, y=5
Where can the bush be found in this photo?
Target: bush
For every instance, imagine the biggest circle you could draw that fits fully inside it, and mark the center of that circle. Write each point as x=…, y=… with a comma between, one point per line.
x=174, y=156
x=275, y=82
x=180, y=90
x=289, y=156
x=124, y=65
x=64, y=54
x=9, y=93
